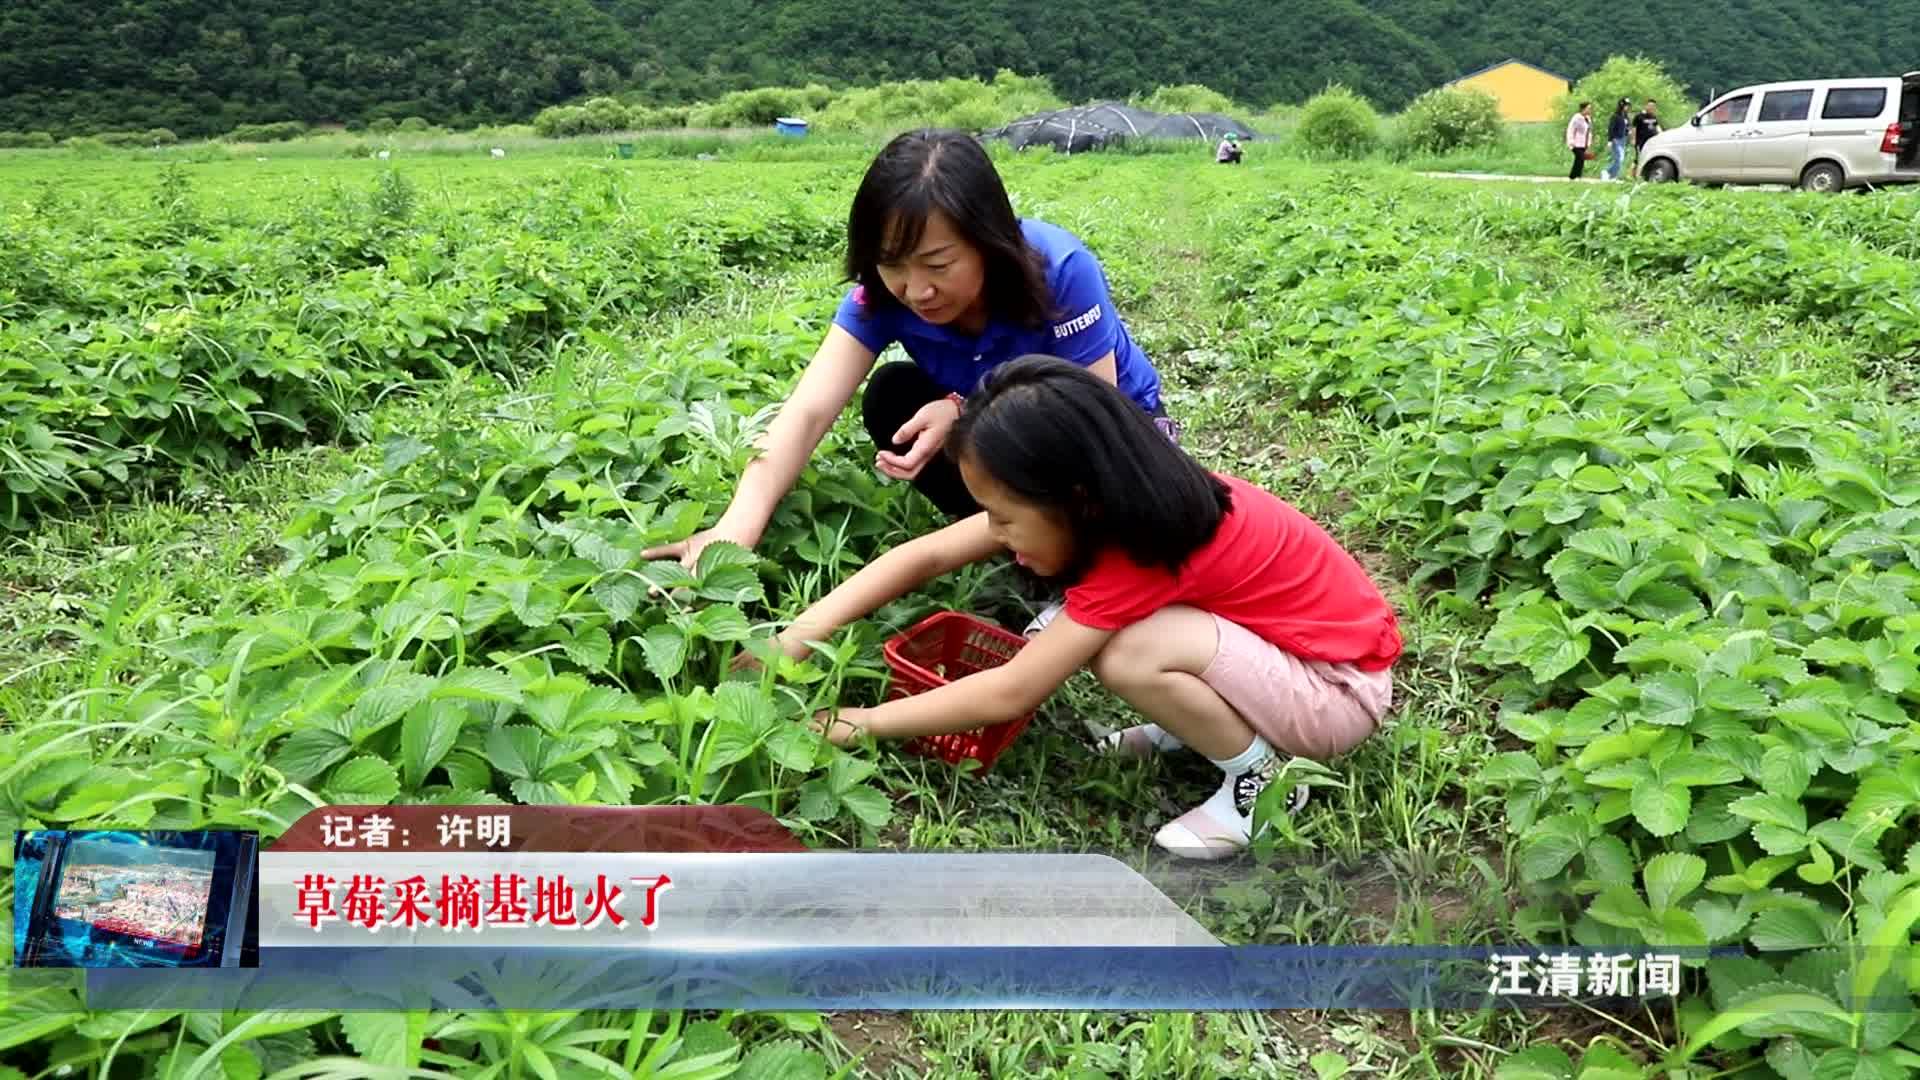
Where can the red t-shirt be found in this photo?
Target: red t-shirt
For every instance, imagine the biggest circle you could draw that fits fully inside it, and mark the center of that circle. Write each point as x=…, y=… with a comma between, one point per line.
x=1269, y=568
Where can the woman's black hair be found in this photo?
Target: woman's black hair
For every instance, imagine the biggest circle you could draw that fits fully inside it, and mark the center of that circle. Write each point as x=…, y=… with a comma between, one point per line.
x=1059, y=436
x=923, y=171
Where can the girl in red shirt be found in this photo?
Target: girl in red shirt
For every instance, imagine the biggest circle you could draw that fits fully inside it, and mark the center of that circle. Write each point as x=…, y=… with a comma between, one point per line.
x=1234, y=623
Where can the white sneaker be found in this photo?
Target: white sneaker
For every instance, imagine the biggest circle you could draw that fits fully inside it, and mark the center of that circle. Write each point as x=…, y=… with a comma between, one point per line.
x=1221, y=827
x=1041, y=620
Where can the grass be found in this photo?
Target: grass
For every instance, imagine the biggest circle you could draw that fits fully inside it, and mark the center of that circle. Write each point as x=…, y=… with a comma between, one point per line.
x=1403, y=850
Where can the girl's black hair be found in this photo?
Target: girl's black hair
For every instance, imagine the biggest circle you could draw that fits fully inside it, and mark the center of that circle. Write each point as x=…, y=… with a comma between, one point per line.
x=923, y=171
x=1059, y=436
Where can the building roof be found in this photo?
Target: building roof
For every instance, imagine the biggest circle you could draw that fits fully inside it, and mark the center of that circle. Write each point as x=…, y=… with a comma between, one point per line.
x=1510, y=60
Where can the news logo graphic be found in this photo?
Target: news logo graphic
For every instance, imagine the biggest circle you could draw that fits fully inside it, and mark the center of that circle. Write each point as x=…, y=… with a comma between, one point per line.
x=128, y=899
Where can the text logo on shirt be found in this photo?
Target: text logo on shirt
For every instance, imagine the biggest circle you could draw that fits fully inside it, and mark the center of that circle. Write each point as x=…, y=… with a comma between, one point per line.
x=1068, y=329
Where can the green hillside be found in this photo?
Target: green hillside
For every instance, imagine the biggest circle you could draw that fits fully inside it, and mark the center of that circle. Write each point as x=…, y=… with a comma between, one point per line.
x=199, y=67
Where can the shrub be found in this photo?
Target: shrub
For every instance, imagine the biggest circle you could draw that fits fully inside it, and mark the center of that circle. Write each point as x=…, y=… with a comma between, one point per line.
x=651, y=117
x=968, y=104
x=604, y=114
x=1188, y=97
x=280, y=132
x=384, y=125
x=758, y=108
x=414, y=125
x=597, y=117
x=1635, y=79
x=1450, y=118
x=25, y=140
x=1338, y=123
x=83, y=143
x=160, y=137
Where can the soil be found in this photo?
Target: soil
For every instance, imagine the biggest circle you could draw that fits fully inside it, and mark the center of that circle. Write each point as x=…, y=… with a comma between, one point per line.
x=884, y=1042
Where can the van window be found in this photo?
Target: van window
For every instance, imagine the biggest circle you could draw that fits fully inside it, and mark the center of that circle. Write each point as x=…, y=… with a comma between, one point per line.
x=1854, y=103
x=1785, y=105
x=1731, y=111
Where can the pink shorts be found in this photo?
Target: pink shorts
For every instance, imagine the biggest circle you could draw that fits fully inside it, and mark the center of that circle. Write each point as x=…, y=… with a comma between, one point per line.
x=1307, y=708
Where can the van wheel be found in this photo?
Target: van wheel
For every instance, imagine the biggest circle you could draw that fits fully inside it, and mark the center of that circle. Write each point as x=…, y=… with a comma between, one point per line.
x=1660, y=171
x=1823, y=176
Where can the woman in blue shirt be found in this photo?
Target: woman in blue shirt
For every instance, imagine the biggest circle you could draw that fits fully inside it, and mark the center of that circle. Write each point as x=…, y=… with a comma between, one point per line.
x=941, y=265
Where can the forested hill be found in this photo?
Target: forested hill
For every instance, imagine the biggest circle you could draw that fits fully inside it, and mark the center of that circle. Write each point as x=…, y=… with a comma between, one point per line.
x=202, y=66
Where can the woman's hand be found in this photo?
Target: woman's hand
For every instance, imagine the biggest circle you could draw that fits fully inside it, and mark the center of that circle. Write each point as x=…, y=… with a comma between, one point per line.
x=688, y=550
x=844, y=728
x=928, y=430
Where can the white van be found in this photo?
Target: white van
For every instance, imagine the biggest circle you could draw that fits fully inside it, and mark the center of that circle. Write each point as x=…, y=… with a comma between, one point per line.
x=1821, y=134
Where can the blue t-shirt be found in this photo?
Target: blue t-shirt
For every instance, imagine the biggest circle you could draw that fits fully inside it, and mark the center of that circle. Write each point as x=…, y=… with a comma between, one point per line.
x=1089, y=326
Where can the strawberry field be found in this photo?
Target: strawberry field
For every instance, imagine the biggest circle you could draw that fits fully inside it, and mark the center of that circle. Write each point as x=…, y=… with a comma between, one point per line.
x=328, y=482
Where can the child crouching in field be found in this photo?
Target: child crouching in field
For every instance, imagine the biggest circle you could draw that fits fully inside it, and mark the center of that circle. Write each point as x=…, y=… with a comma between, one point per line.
x=1228, y=618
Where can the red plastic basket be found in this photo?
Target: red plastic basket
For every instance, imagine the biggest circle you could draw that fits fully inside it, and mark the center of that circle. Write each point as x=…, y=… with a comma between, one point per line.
x=938, y=650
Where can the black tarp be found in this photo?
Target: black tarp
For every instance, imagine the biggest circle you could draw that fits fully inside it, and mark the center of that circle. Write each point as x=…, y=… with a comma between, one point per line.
x=1108, y=123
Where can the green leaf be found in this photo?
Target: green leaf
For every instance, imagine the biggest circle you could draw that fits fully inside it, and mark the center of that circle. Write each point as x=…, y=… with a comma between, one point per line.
x=1484, y=531
x=477, y=684
x=845, y=771
x=1607, y=545
x=1672, y=876
x=1783, y=772
x=1734, y=695
x=743, y=719
x=1843, y=1063
x=1668, y=699
x=468, y=770
x=1690, y=768
x=782, y=1059
x=1536, y=1063
x=386, y=1038
x=723, y=623
x=1609, y=862
x=383, y=704
x=619, y=596
x=1595, y=479
x=725, y=553
x=365, y=779
x=868, y=804
x=517, y=750
x=1550, y=846
x=1850, y=842
x=1720, y=919
x=310, y=752
x=1622, y=746
x=591, y=648
x=1762, y=1007
x=794, y=746
x=1791, y=1059
x=1661, y=810
x=732, y=585
x=426, y=735
x=1787, y=928
x=1772, y=809
x=1663, y=601
x=666, y=652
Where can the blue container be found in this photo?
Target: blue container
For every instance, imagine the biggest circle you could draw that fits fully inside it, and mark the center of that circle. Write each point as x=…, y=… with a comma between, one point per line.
x=790, y=125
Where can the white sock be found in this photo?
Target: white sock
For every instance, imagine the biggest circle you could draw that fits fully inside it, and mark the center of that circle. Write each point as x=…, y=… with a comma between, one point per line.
x=1225, y=804
x=1246, y=760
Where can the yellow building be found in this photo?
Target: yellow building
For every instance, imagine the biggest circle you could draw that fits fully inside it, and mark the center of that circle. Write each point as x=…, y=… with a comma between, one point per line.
x=1525, y=92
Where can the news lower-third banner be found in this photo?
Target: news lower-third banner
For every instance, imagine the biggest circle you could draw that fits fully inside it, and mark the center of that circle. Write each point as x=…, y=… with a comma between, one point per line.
x=524, y=907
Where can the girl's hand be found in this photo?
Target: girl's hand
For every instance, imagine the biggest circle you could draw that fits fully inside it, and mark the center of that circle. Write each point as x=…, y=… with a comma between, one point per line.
x=845, y=728
x=793, y=647
x=928, y=429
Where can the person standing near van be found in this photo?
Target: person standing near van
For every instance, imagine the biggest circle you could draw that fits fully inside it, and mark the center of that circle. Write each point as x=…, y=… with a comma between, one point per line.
x=1618, y=127
x=1646, y=124
x=1579, y=137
